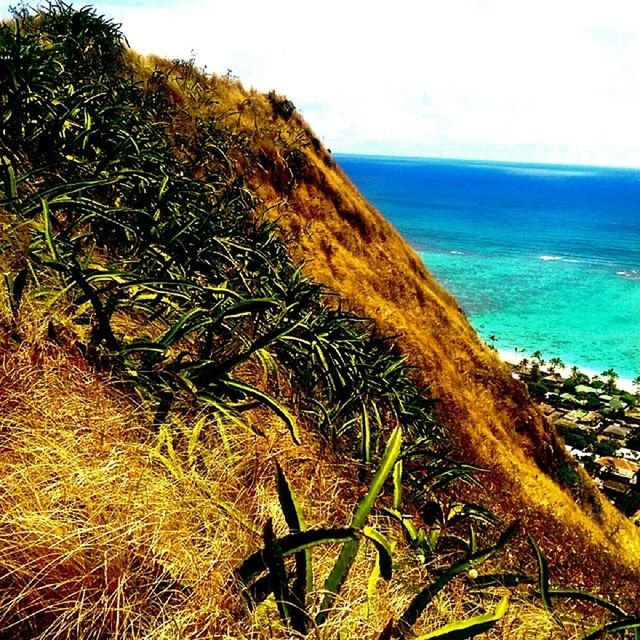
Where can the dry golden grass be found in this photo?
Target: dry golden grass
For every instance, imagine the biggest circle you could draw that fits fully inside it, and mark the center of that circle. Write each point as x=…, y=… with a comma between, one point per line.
x=110, y=531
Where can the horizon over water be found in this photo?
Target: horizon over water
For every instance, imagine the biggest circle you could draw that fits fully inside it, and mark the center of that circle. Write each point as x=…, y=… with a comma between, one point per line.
x=541, y=256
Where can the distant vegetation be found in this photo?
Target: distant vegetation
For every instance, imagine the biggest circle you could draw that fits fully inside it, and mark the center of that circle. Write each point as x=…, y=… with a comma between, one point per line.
x=126, y=227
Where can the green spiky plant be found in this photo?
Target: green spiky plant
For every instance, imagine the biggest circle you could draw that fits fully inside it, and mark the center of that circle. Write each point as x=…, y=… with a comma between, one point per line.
x=119, y=231
x=264, y=572
x=292, y=599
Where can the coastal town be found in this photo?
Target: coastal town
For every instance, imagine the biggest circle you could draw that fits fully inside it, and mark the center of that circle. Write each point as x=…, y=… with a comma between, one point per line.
x=598, y=421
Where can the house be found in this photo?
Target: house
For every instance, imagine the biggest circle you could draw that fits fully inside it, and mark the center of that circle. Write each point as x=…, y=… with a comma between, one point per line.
x=591, y=418
x=576, y=415
x=633, y=416
x=553, y=379
x=567, y=424
x=583, y=388
x=617, y=431
x=629, y=454
x=618, y=469
x=614, y=486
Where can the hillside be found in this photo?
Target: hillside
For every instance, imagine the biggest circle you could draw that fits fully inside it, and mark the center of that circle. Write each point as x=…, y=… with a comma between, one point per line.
x=347, y=245
x=233, y=402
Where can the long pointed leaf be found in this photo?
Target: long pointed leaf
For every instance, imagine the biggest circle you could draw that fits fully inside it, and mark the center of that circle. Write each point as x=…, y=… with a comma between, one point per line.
x=501, y=580
x=397, y=485
x=48, y=235
x=543, y=574
x=275, y=406
x=610, y=627
x=469, y=628
x=383, y=548
x=291, y=544
x=303, y=582
x=588, y=597
x=277, y=572
x=341, y=568
x=422, y=599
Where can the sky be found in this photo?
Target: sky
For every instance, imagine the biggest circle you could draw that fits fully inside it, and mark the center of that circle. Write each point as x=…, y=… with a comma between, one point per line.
x=546, y=81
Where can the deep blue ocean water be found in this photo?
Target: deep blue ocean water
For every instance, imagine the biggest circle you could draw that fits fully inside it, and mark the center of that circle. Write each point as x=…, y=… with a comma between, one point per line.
x=540, y=256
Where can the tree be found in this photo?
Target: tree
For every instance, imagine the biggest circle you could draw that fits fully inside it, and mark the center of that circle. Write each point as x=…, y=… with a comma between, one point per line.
x=636, y=384
x=633, y=441
x=537, y=356
x=534, y=371
x=555, y=363
x=611, y=376
x=523, y=366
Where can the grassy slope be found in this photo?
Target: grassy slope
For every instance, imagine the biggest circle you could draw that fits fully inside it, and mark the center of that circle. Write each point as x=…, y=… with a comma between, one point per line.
x=352, y=249
x=348, y=246
x=110, y=530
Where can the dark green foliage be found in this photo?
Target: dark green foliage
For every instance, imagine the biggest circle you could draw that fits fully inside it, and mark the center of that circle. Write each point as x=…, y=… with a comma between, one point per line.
x=578, y=438
x=605, y=448
x=303, y=582
x=543, y=574
x=426, y=595
x=633, y=441
x=120, y=229
x=15, y=289
x=281, y=106
x=567, y=474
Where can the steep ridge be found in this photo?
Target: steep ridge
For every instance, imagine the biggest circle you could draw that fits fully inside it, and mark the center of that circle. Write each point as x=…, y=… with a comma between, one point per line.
x=352, y=249
x=148, y=396
x=349, y=246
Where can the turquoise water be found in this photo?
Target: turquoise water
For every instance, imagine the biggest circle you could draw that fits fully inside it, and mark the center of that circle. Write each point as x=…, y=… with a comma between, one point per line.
x=541, y=257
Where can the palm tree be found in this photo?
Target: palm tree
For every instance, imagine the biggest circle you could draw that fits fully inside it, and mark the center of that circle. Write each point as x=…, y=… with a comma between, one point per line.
x=636, y=384
x=523, y=366
x=555, y=363
x=611, y=375
x=540, y=361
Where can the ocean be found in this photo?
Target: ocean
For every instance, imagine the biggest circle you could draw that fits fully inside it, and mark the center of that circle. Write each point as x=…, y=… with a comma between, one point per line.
x=540, y=257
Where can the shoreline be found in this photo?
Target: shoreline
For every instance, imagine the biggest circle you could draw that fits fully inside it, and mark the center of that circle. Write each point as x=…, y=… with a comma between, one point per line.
x=513, y=358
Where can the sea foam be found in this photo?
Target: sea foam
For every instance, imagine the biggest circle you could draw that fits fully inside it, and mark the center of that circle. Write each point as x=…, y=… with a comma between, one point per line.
x=557, y=259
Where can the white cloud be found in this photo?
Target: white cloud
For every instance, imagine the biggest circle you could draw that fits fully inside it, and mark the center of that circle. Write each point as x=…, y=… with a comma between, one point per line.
x=496, y=79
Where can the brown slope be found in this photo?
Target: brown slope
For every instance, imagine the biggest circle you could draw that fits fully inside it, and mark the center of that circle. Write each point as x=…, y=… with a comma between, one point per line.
x=348, y=246
x=352, y=249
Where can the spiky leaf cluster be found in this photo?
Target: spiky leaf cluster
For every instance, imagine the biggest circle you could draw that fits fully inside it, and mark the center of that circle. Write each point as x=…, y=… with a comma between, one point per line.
x=182, y=285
